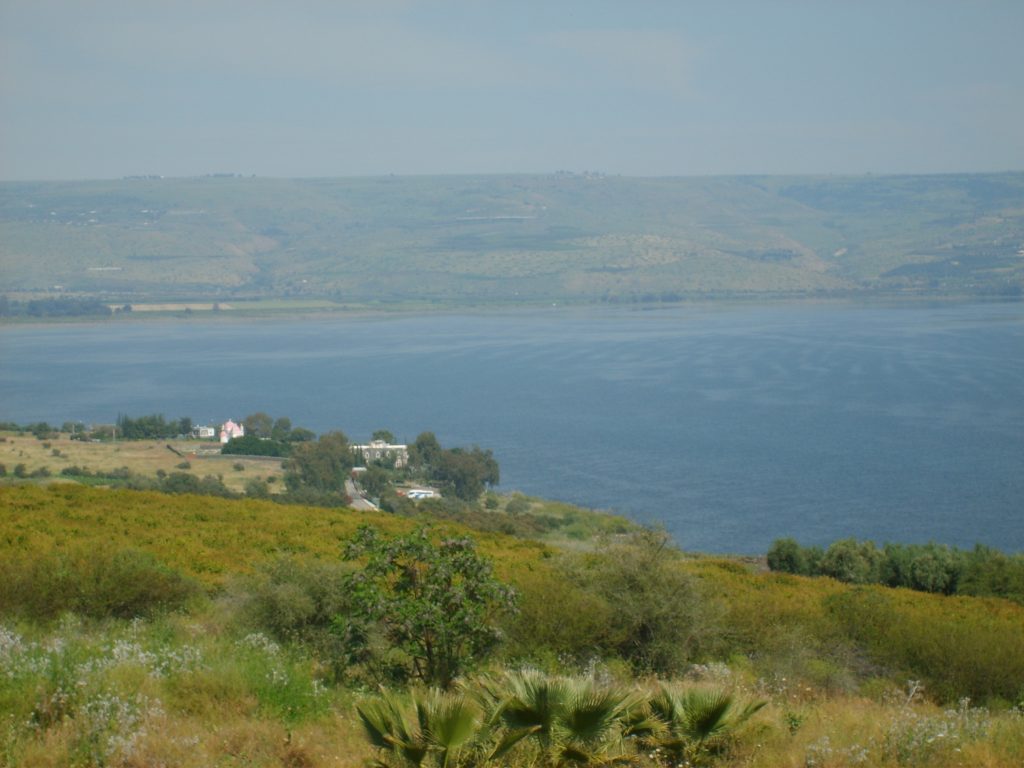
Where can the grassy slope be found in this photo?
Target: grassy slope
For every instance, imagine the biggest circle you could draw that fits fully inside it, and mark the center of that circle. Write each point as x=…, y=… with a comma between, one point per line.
x=205, y=537
x=512, y=238
x=228, y=699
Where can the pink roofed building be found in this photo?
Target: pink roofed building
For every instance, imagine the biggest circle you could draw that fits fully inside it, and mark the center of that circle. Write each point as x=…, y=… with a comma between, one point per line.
x=229, y=430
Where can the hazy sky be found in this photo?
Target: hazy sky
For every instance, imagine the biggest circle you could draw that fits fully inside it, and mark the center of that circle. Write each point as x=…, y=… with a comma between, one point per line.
x=100, y=88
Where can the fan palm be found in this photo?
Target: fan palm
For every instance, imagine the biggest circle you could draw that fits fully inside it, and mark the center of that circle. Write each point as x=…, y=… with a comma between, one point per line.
x=567, y=721
x=424, y=729
x=689, y=724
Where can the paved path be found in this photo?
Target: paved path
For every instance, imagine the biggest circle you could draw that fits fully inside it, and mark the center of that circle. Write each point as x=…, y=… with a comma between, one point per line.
x=358, y=502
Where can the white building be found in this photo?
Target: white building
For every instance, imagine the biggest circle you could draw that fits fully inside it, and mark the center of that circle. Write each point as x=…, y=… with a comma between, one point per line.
x=381, y=450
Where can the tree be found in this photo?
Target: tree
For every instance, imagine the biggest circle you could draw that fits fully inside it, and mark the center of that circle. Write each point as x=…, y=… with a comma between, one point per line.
x=301, y=435
x=425, y=451
x=852, y=561
x=466, y=473
x=258, y=424
x=322, y=465
x=788, y=556
x=282, y=429
x=383, y=434
x=438, y=603
x=374, y=480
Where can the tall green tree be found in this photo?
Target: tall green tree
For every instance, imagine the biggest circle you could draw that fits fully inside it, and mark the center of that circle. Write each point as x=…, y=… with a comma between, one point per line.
x=439, y=603
x=425, y=452
x=322, y=466
x=258, y=424
x=466, y=473
x=282, y=429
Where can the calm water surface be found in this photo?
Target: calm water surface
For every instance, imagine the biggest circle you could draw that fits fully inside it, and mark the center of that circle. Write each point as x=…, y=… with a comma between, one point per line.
x=730, y=426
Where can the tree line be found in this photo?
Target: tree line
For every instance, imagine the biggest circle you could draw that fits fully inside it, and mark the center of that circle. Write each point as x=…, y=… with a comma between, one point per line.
x=982, y=571
x=59, y=307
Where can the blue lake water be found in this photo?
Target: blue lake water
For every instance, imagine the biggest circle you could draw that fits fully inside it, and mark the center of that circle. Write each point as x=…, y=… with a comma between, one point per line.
x=731, y=426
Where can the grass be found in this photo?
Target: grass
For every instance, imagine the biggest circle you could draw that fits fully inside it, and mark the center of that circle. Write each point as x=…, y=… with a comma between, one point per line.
x=182, y=691
x=142, y=457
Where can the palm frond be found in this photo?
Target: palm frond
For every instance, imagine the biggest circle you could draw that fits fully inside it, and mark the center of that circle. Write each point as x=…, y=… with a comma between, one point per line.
x=706, y=713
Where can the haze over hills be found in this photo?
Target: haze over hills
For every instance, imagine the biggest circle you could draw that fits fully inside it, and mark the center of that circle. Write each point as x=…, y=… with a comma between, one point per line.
x=511, y=238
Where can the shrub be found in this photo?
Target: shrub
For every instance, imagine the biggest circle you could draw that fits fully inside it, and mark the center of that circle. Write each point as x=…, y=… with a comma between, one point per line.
x=294, y=599
x=183, y=482
x=977, y=654
x=100, y=584
x=657, y=620
x=257, y=489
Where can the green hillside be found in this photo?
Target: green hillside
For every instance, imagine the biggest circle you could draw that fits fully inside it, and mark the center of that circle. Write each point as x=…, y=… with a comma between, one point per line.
x=511, y=239
x=143, y=629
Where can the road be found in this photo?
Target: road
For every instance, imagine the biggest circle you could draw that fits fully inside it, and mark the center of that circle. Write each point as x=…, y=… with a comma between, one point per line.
x=358, y=502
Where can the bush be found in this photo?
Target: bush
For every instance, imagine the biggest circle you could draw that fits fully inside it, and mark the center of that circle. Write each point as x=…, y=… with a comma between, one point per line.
x=656, y=618
x=976, y=655
x=257, y=489
x=183, y=482
x=517, y=505
x=100, y=584
x=298, y=601
x=294, y=600
x=251, y=445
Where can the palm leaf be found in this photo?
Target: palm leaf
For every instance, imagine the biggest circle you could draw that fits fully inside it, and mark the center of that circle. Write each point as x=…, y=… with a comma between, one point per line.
x=451, y=720
x=707, y=713
x=510, y=739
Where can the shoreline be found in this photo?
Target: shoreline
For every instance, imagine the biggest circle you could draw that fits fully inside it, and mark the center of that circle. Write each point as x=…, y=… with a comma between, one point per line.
x=238, y=313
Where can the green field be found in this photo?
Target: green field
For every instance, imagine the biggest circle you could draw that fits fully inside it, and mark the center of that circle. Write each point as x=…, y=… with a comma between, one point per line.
x=267, y=245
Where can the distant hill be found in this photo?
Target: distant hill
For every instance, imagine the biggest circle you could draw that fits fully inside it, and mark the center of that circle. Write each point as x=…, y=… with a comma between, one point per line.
x=508, y=239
